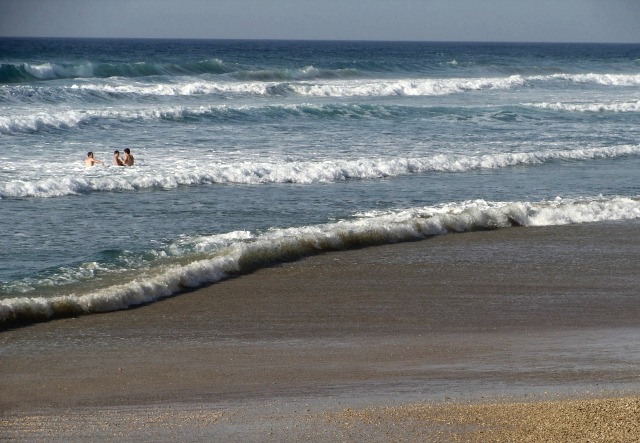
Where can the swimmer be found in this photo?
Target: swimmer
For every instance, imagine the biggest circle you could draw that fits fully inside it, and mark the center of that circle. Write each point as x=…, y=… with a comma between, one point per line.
x=127, y=158
x=90, y=161
x=116, y=159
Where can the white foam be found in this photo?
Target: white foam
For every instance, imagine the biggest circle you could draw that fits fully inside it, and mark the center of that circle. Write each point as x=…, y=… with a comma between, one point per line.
x=501, y=214
x=597, y=79
x=76, y=180
x=41, y=120
x=43, y=71
x=184, y=88
x=286, y=244
x=633, y=106
x=72, y=118
x=192, y=86
x=414, y=87
x=330, y=88
x=32, y=120
x=48, y=71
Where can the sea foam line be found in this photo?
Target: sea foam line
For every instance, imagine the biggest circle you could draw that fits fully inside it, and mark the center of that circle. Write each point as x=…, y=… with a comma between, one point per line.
x=289, y=244
x=183, y=172
x=116, y=88
x=325, y=88
x=601, y=79
x=633, y=106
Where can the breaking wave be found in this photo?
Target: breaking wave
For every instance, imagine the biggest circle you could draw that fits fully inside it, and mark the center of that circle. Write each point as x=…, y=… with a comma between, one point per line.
x=184, y=172
x=30, y=72
x=26, y=72
x=302, y=83
x=256, y=251
x=589, y=107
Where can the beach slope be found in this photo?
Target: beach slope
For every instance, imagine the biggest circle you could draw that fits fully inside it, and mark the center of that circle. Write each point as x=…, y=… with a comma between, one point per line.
x=496, y=332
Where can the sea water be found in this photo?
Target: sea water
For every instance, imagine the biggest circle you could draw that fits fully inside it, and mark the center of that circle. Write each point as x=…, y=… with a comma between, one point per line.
x=248, y=153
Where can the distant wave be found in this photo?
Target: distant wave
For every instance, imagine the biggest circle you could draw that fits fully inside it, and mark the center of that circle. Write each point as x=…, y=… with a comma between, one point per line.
x=56, y=118
x=73, y=118
x=284, y=83
x=597, y=79
x=408, y=87
x=113, y=90
x=25, y=72
x=245, y=255
x=183, y=173
x=306, y=72
x=29, y=72
x=589, y=107
x=67, y=119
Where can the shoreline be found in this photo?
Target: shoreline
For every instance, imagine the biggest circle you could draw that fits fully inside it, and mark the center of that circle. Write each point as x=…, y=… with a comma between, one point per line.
x=508, y=315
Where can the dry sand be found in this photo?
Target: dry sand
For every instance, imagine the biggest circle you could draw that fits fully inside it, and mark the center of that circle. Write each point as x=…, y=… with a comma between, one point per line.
x=509, y=335
x=593, y=420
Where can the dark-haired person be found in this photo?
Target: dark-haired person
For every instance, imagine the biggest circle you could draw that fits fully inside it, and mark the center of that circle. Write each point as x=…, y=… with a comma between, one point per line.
x=127, y=158
x=116, y=159
x=90, y=161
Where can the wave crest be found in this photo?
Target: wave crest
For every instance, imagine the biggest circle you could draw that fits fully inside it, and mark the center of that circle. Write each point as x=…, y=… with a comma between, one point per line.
x=26, y=72
x=327, y=83
x=589, y=107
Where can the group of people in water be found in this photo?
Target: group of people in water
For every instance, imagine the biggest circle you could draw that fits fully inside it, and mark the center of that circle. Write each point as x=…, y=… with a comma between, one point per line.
x=126, y=160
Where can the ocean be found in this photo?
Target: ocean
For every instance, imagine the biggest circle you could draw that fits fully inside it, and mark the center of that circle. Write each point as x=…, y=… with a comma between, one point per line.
x=251, y=153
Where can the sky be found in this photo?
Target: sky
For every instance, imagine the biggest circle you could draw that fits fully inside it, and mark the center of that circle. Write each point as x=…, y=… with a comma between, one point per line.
x=607, y=21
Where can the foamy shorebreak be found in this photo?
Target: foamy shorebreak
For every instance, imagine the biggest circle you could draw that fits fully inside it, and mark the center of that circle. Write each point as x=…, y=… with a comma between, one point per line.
x=250, y=252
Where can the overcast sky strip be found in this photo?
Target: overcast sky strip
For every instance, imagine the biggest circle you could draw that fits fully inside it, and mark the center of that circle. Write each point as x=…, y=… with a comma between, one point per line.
x=613, y=21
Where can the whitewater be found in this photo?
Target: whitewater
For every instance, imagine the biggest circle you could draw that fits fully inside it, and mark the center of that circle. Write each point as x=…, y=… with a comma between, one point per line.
x=250, y=153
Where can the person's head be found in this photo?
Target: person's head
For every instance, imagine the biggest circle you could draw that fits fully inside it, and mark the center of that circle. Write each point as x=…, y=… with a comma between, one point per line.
x=116, y=153
x=90, y=154
x=127, y=151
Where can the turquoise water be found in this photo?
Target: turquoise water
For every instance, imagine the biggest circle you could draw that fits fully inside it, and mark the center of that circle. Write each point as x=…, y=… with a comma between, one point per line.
x=249, y=152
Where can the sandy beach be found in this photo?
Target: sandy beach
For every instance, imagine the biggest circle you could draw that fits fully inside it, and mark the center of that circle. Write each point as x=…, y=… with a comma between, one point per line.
x=519, y=334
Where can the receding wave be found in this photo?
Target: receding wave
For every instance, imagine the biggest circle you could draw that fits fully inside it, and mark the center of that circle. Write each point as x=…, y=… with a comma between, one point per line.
x=280, y=245
x=182, y=172
x=633, y=106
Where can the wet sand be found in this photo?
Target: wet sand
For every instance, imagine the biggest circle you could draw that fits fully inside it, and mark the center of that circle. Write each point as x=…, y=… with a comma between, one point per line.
x=391, y=343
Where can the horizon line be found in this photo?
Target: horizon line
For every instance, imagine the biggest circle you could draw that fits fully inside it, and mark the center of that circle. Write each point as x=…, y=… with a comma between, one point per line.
x=321, y=40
